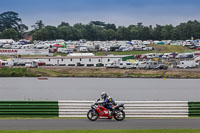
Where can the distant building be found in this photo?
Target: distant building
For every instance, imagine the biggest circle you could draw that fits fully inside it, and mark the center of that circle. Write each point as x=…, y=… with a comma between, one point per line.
x=28, y=37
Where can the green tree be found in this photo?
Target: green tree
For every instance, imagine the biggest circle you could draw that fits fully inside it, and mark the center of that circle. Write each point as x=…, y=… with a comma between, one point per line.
x=9, y=34
x=65, y=32
x=110, y=34
x=63, y=24
x=9, y=20
x=175, y=35
x=166, y=32
x=38, y=35
x=22, y=29
x=97, y=30
x=156, y=34
x=38, y=25
x=46, y=33
x=145, y=33
x=98, y=23
x=110, y=26
x=101, y=35
x=123, y=33
x=134, y=34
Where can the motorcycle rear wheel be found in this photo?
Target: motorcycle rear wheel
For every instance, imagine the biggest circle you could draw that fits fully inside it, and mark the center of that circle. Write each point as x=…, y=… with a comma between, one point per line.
x=118, y=114
x=92, y=116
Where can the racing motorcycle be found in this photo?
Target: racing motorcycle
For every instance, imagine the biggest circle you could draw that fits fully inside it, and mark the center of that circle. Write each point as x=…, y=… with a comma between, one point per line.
x=97, y=111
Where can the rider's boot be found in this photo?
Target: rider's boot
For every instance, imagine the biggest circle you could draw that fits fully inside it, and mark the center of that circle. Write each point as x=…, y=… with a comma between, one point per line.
x=111, y=112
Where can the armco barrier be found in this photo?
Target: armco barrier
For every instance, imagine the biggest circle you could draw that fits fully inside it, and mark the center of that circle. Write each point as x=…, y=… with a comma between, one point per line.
x=194, y=109
x=79, y=108
x=29, y=108
x=132, y=108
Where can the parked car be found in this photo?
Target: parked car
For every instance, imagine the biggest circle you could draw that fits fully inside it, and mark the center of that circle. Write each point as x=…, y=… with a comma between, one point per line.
x=125, y=65
x=197, y=48
x=147, y=64
x=112, y=65
x=148, y=48
x=167, y=55
x=141, y=65
x=138, y=56
x=188, y=64
x=3, y=63
x=151, y=65
x=162, y=66
x=7, y=46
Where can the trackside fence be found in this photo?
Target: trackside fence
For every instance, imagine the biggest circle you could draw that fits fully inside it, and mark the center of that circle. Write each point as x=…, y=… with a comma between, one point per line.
x=29, y=108
x=74, y=108
x=194, y=109
x=132, y=108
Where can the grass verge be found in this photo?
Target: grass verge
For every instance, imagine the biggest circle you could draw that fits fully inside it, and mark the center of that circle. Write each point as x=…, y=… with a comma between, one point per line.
x=158, y=49
x=113, y=73
x=16, y=72
x=98, y=73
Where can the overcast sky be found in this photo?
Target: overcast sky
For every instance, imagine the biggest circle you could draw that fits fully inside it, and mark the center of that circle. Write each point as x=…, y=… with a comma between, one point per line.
x=119, y=12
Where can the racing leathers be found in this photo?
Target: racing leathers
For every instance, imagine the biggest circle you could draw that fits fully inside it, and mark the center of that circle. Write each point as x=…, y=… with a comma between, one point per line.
x=108, y=102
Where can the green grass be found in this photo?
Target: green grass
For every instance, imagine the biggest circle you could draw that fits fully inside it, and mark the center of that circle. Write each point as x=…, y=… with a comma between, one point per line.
x=171, y=48
x=59, y=54
x=100, y=53
x=16, y=72
x=105, y=131
x=158, y=49
x=2, y=57
x=100, y=73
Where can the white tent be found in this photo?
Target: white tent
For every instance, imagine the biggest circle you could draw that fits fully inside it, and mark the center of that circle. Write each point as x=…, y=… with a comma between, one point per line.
x=6, y=41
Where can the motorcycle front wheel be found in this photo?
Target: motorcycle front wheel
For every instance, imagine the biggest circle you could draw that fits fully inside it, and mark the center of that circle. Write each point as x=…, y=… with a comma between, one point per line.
x=92, y=115
x=119, y=115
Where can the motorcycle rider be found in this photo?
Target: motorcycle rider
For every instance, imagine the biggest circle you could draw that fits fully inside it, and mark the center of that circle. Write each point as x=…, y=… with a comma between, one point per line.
x=107, y=102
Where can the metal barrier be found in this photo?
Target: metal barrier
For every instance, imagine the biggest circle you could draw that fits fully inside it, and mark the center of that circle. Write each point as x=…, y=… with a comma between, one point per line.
x=194, y=109
x=132, y=108
x=28, y=108
x=72, y=108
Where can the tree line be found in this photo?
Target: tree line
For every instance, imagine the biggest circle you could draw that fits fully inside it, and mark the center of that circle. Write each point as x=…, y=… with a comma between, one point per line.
x=11, y=26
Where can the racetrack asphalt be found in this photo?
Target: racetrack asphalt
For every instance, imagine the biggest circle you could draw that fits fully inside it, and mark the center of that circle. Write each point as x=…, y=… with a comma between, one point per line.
x=63, y=124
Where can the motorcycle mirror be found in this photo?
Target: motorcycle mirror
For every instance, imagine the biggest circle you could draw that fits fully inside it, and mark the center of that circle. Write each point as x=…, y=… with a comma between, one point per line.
x=98, y=100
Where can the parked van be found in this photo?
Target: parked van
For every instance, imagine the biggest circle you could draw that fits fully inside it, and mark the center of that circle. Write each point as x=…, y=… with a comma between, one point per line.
x=148, y=65
x=112, y=65
x=152, y=55
x=166, y=55
x=125, y=65
x=7, y=46
x=31, y=65
x=151, y=64
x=188, y=64
x=185, y=55
x=3, y=63
x=34, y=64
x=141, y=65
x=15, y=46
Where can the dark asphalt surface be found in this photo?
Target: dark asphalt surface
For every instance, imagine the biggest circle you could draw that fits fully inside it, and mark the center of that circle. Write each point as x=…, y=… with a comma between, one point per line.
x=61, y=124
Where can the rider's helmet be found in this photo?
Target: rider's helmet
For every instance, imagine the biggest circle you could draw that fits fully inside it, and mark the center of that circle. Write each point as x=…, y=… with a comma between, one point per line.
x=104, y=95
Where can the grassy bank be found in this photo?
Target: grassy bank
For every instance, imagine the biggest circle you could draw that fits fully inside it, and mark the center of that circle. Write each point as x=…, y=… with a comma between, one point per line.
x=16, y=72
x=158, y=49
x=114, y=73
x=105, y=131
x=97, y=72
